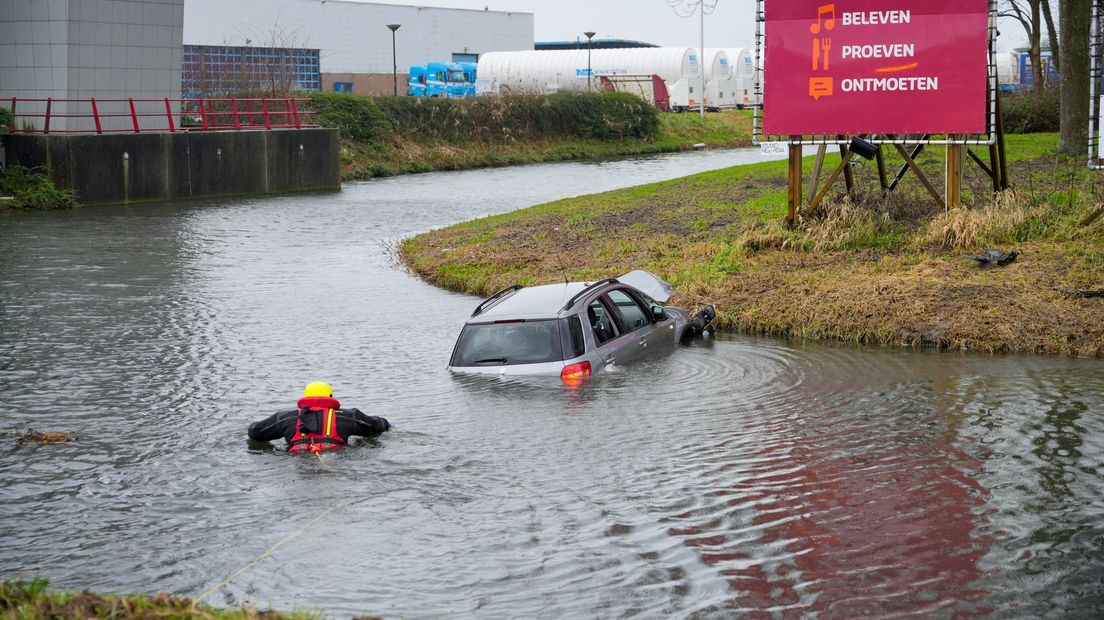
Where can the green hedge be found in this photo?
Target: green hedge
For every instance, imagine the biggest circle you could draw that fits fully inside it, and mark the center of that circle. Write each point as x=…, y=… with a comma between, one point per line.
x=599, y=116
x=7, y=120
x=1031, y=112
x=32, y=190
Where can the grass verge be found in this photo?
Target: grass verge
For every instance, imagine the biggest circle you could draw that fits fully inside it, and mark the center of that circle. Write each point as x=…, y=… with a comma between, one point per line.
x=386, y=136
x=36, y=600
x=861, y=269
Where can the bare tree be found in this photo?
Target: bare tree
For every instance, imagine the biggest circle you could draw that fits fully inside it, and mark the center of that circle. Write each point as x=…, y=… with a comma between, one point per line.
x=1052, y=35
x=1074, y=17
x=272, y=65
x=267, y=63
x=1029, y=13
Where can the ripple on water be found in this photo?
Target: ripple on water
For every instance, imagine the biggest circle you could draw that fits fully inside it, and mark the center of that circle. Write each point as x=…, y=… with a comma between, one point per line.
x=733, y=477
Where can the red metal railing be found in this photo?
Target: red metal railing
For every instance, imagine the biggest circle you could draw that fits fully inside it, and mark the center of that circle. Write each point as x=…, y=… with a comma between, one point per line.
x=138, y=115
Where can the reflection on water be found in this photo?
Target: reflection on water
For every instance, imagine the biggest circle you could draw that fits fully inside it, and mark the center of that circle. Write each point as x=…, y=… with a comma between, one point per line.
x=737, y=476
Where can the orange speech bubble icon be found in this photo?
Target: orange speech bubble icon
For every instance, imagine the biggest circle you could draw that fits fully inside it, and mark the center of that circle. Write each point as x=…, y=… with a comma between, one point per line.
x=820, y=87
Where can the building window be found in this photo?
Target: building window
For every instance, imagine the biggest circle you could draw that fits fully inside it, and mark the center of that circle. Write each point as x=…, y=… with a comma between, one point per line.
x=214, y=70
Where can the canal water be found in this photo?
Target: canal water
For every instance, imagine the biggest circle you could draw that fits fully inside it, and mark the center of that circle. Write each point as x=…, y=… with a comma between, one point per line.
x=737, y=475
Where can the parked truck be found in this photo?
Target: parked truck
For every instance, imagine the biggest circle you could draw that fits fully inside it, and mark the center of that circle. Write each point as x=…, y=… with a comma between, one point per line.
x=439, y=79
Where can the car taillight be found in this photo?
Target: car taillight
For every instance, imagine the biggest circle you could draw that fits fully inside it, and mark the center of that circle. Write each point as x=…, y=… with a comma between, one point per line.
x=574, y=372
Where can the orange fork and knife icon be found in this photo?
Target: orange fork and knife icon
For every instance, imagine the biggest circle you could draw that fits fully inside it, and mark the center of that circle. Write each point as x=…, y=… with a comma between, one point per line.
x=821, y=46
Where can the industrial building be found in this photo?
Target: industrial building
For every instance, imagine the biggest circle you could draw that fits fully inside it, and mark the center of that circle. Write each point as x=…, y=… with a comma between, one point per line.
x=79, y=49
x=115, y=50
x=354, y=40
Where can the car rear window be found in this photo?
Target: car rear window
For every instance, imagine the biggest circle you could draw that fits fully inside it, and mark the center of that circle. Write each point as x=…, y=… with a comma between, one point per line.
x=508, y=343
x=574, y=343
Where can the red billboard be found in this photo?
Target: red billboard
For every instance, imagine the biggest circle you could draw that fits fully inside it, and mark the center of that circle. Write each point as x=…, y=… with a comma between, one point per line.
x=875, y=66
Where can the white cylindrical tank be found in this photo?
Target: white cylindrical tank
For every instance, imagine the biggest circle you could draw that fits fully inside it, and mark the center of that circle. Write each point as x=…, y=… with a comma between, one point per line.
x=742, y=84
x=1008, y=70
x=717, y=64
x=547, y=71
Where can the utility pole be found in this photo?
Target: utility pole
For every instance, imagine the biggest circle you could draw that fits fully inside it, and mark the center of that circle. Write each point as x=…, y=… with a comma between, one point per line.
x=685, y=9
x=701, y=61
x=589, y=36
x=394, y=60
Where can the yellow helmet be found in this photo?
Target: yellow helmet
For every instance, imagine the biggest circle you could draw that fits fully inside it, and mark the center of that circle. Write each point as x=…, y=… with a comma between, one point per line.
x=318, y=388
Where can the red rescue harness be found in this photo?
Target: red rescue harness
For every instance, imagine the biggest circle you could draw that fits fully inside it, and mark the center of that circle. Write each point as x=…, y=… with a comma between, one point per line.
x=327, y=437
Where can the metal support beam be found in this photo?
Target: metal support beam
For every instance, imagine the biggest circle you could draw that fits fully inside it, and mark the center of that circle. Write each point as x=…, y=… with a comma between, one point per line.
x=1000, y=146
x=848, y=177
x=881, y=168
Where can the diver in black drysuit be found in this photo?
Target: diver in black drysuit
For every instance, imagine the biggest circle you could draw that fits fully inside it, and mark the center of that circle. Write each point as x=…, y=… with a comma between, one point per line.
x=349, y=422
x=319, y=423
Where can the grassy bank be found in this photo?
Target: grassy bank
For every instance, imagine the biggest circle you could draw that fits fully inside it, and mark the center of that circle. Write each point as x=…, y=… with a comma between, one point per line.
x=384, y=136
x=29, y=189
x=861, y=269
x=36, y=600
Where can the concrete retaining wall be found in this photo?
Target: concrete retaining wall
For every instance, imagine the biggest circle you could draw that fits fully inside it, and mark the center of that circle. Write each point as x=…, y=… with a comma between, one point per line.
x=120, y=168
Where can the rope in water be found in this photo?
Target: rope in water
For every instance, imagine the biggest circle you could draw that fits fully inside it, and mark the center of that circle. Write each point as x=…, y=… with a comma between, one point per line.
x=269, y=551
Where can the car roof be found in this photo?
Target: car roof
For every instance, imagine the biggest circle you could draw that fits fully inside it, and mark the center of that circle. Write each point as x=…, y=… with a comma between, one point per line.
x=535, y=302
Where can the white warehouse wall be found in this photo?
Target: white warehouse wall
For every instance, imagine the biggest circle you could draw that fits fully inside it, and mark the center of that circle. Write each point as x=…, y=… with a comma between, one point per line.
x=353, y=36
x=78, y=49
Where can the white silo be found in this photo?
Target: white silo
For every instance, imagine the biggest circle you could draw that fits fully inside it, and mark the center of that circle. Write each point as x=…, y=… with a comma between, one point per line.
x=738, y=90
x=718, y=75
x=549, y=71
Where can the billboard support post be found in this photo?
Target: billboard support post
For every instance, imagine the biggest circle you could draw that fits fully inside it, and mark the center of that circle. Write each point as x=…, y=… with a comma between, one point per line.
x=794, y=204
x=881, y=168
x=848, y=177
x=953, y=194
x=999, y=162
x=995, y=172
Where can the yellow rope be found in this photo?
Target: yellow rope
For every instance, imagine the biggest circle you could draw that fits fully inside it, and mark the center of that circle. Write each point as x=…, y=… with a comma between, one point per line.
x=322, y=462
x=267, y=552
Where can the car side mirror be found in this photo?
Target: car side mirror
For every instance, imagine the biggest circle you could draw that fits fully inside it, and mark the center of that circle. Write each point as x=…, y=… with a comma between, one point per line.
x=659, y=313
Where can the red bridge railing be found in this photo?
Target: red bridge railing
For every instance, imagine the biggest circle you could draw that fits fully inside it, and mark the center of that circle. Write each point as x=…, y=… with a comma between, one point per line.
x=147, y=115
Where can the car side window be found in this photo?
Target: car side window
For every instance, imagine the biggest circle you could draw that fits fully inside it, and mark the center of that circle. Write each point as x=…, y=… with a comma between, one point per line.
x=603, y=325
x=634, y=314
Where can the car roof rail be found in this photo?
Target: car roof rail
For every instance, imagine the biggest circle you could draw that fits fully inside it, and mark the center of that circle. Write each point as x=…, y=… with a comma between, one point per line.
x=571, y=302
x=495, y=297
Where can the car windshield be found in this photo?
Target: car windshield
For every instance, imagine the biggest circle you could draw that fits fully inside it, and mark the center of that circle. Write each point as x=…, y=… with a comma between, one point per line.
x=500, y=344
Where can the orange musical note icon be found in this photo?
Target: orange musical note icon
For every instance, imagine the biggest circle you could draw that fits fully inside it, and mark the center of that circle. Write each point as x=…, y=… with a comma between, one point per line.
x=830, y=23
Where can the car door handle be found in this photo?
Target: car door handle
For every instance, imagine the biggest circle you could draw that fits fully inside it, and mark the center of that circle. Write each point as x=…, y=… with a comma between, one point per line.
x=610, y=358
x=643, y=342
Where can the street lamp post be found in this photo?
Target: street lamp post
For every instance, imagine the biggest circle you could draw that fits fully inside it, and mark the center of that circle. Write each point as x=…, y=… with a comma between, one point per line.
x=394, y=61
x=589, y=36
x=701, y=62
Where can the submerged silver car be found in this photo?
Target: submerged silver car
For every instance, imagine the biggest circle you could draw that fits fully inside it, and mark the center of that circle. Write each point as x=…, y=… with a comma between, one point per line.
x=574, y=329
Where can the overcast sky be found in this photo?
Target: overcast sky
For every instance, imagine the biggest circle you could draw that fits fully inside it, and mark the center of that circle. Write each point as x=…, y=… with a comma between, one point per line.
x=731, y=24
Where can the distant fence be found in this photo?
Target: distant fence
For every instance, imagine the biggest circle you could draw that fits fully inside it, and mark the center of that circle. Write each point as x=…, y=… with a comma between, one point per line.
x=131, y=115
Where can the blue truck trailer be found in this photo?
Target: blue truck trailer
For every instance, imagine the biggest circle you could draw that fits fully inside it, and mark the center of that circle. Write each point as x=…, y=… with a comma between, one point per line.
x=441, y=79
